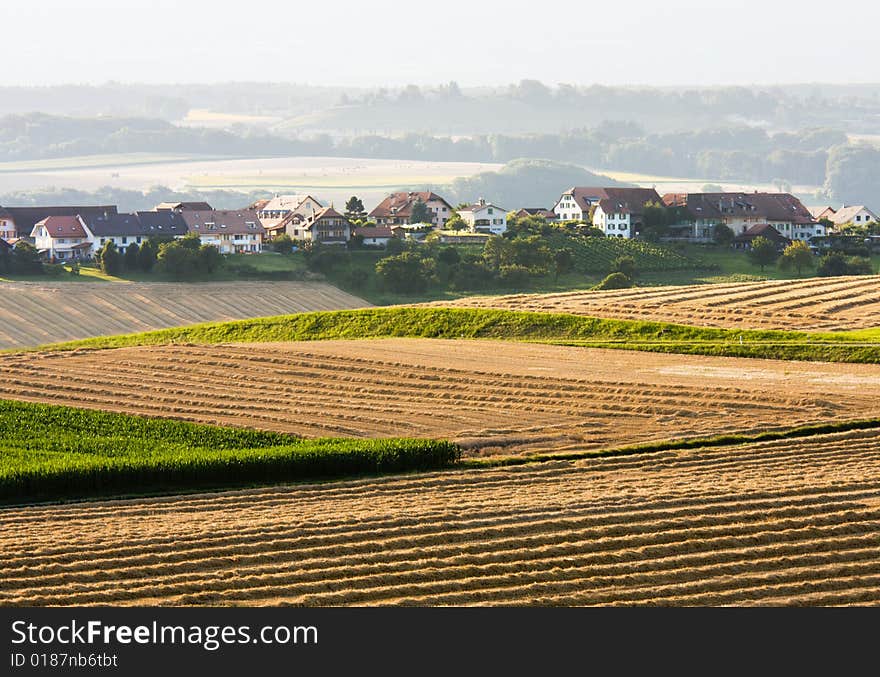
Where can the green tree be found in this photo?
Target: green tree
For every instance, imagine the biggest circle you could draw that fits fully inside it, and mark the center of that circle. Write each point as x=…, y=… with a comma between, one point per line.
x=515, y=276
x=723, y=235
x=797, y=255
x=109, y=259
x=178, y=259
x=421, y=213
x=147, y=256
x=5, y=259
x=449, y=256
x=406, y=273
x=832, y=265
x=655, y=221
x=564, y=261
x=283, y=244
x=615, y=281
x=210, y=259
x=132, y=253
x=456, y=223
x=354, y=208
x=497, y=252
x=533, y=253
x=763, y=252
x=25, y=259
x=625, y=265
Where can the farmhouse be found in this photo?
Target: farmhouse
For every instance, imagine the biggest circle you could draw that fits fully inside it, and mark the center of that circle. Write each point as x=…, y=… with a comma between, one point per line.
x=63, y=238
x=484, y=217
x=397, y=209
x=25, y=218
x=375, y=236
x=232, y=232
x=744, y=240
x=278, y=215
x=858, y=215
x=699, y=213
x=617, y=212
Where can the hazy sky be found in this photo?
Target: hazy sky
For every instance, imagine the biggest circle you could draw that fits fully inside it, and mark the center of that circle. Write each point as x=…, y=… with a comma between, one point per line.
x=379, y=42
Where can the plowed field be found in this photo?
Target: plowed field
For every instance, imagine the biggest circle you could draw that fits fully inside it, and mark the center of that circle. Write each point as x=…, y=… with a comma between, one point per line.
x=827, y=304
x=491, y=396
x=33, y=314
x=788, y=522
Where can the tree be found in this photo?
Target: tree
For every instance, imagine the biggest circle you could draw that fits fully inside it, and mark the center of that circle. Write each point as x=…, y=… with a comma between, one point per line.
x=283, y=244
x=723, y=235
x=449, y=256
x=533, y=253
x=655, y=221
x=396, y=245
x=5, y=259
x=147, y=256
x=354, y=208
x=131, y=256
x=563, y=260
x=498, y=252
x=455, y=222
x=109, y=259
x=797, y=255
x=615, y=281
x=210, y=258
x=625, y=265
x=178, y=259
x=25, y=259
x=763, y=252
x=421, y=213
x=406, y=273
x=832, y=265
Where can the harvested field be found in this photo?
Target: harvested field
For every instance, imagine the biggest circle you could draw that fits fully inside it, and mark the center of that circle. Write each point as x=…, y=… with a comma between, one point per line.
x=790, y=522
x=37, y=313
x=818, y=304
x=491, y=396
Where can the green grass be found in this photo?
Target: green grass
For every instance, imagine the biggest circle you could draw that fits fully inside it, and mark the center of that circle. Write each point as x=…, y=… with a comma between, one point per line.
x=50, y=452
x=553, y=328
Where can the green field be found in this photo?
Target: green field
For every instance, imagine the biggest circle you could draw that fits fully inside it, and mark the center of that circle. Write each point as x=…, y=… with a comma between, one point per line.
x=49, y=452
x=553, y=328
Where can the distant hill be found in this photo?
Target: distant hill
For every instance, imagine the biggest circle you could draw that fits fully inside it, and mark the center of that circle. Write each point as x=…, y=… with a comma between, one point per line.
x=525, y=183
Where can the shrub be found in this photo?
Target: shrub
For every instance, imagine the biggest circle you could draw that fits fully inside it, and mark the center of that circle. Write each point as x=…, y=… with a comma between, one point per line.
x=615, y=281
x=625, y=265
x=406, y=273
x=514, y=275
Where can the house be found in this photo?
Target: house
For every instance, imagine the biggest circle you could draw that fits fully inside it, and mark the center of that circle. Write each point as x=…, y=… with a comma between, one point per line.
x=278, y=215
x=232, y=232
x=326, y=227
x=374, y=236
x=182, y=207
x=858, y=215
x=699, y=213
x=744, y=240
x=617, y=212
x=25, y=218
x=396, y=209
x=126, y=229
x=821, y=212
x=525, y=212
x=484, y=217
x=7, y=226
x=63, y=238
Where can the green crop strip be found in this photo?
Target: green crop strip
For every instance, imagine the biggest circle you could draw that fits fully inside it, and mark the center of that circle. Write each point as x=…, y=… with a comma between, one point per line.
x=555, y=328
x=49, y=452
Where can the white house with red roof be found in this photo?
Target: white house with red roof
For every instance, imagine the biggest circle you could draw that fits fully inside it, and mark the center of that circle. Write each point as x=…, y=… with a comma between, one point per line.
x=397, y=209
x=63, y=238
x=7, y=226
x=484, y=217
x=617, y=212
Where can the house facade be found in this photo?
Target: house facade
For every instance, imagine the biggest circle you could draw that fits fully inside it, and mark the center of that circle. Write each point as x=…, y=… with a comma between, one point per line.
x=699, y=213
x=7, y=226
x=25, y=218
x=375, y=236
x=858, y=215
x=231, y=231
x=484, y=217
x=327, y=227
x=127, y=229
x=63, y=238
x=278, y=214
x=617, y=212
x=397, y=208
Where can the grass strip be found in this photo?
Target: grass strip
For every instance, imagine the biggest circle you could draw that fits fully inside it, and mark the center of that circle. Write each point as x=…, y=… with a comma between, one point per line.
x=49, y=452
x=476, y=323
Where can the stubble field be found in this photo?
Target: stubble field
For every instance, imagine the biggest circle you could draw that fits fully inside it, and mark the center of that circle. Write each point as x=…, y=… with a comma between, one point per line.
x=36, y=313
x=493, y=397
x=788, y=522
x=814, y=304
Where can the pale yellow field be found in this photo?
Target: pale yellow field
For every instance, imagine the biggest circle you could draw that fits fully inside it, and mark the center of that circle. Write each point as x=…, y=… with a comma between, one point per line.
x=492, y=397
x=35, y=313
x=783, y=523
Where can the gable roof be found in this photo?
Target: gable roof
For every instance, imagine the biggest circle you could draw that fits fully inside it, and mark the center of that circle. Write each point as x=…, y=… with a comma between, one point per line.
x=769, y=206
x=374, y=231
x=761, y=230
x=138, y=224
x=285, y=203
x=847, y=214
x=401, y=204
x=233, y=222
x=183, y=206
x=479, y=206
x=25, y=218
x=60, y=226
x=329, y=213
x=632, y=200
x=822, y=212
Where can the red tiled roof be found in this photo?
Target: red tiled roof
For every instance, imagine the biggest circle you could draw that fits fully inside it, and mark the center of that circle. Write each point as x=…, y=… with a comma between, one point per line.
x=761, y=230
x=374, y=231
x=770, y=206
x=235, y=222
x=60, y=226
x=629, y=200
x=401, y=204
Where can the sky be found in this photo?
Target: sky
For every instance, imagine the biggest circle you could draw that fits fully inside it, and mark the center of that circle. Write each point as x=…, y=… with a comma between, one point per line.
x=473, y=42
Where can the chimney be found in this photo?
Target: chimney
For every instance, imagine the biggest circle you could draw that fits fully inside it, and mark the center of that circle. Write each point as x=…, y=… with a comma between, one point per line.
x=482, y=202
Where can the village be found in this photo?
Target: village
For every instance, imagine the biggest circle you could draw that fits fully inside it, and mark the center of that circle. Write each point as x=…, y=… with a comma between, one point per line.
x=78, y=233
